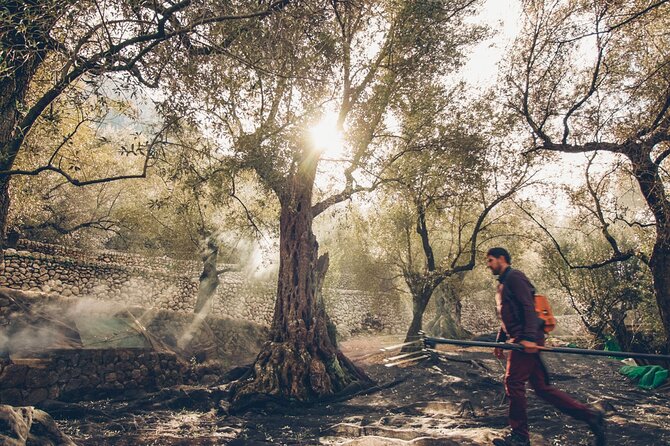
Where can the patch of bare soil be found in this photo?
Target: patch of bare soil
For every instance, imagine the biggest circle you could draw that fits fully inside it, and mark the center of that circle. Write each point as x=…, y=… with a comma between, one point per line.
x=454, y=397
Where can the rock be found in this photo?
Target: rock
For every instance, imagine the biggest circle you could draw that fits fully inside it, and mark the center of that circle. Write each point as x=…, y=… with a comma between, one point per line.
x=11, y=396
x=110, y=377
x=40, y=378
x=14, y=375
x=210, y=380
x=21, y=426
x=36, y=396
x=15, y=424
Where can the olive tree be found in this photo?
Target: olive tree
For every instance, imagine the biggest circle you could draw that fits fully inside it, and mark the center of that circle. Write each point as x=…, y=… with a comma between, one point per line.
x=593, y=77
x=352, y=61
x=59, y=54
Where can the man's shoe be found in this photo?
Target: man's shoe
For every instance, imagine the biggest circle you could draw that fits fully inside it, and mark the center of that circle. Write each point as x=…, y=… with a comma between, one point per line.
x=512, y=440
x=597, y=425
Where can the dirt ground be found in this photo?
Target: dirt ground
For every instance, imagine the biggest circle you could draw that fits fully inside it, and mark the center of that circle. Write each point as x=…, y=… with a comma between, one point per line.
x=454, y=397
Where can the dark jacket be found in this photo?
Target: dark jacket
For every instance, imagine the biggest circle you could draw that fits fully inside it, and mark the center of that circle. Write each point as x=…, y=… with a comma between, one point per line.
x=517, y=309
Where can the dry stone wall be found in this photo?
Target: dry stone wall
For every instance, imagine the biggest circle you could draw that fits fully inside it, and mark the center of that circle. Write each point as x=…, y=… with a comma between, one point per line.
x=53, y=358
x=76, y=374
x=172, y=285
x=163, y=264
x=72, y=277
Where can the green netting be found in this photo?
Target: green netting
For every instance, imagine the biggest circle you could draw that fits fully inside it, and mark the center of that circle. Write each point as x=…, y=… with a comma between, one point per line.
x=115, y=331
x=646, y=376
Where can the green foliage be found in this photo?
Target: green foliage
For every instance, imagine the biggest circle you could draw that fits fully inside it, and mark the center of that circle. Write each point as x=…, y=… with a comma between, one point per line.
x=348, y=237
x=614, y=300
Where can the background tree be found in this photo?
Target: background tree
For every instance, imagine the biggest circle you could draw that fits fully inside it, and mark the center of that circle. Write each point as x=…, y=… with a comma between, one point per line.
x=594, y=77
x=612, y=301
x=48, y=207
x=443, y=219
x=55, y=51
x=446, y=186
x=217, y=205
x=605, y=217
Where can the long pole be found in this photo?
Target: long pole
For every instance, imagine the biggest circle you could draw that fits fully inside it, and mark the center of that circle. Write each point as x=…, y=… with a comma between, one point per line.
x=431, y=342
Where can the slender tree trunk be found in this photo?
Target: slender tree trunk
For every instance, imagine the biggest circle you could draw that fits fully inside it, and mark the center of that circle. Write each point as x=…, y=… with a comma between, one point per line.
x=300, y=362
x=209, y=282
x=420, y=299
x=209, y=278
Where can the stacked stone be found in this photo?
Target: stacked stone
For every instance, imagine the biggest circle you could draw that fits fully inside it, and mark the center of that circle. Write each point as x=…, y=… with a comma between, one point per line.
x=230, y=298
x=66, y=277
x=259, y=301
x=54, y=250
x=355, y=312
x=76, y=374
x=163, y=264
x=479, y=313
x=148, y=285
x=48, y=371
x=7, y=307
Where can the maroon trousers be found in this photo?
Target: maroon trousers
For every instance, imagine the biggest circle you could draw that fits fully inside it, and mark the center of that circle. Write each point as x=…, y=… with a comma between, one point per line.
x=527, y=367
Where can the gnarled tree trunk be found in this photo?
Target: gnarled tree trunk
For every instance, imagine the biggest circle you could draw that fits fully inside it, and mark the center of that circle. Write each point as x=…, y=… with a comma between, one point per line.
x=300, y=362
x=421, y=294
x=24, y=38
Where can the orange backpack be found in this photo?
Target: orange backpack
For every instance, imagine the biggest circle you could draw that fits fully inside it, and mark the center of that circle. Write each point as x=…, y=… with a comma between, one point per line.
x=544, y=312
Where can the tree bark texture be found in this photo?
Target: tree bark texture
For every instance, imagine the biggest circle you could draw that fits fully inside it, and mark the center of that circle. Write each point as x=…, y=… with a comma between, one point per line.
x=660, y=271
x=651, y=184
x=25, y=48
x=420, y=299
x=4, y=212
x=300, y=362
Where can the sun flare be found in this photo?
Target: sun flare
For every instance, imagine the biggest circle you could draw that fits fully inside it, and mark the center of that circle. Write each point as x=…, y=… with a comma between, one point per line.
x=326, y=137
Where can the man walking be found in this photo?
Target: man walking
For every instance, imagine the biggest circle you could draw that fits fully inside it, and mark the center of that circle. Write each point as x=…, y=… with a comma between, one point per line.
x=515, y=299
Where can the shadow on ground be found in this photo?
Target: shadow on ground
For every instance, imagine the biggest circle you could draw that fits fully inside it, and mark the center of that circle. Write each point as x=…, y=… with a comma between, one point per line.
x=454, y=397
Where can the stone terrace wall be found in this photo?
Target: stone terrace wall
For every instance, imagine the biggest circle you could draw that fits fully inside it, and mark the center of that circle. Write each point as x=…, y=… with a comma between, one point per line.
x=138, y=282
x=75, y=374
x=44, y=320
x=71, y=277
x=35, y=328
x=160, y=264
x=355, y=312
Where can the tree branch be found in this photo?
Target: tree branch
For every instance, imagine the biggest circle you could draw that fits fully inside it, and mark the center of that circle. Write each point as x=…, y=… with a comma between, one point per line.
x=104, y=60
x=662, y=157
x=620, y=24
x=614, y=259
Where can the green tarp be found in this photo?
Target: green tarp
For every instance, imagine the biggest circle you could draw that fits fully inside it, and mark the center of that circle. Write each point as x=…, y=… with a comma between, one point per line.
x=646, y=376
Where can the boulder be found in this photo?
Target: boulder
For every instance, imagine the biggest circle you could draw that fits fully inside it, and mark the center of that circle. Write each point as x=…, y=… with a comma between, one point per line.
x=28, y=426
